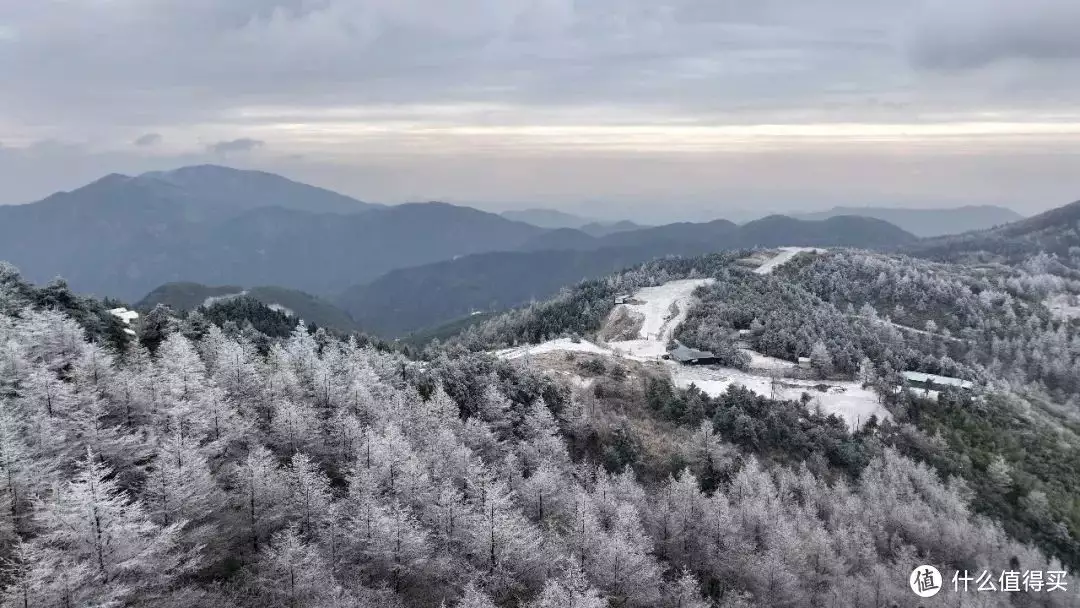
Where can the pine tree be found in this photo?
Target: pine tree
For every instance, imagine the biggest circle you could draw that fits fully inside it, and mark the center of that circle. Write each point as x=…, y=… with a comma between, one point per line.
x=20, y=473
x=179, y=485
x=262, y=494
x=107, y=543
x=472, y=597
x=309, y=493
x=292, y=573
x=571, y=589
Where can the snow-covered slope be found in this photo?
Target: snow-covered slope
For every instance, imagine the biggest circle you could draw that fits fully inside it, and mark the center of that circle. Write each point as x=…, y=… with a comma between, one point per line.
x=665, y=306
x=656, y=307
x=785, y=255
x=849, y=400
x=562, y=344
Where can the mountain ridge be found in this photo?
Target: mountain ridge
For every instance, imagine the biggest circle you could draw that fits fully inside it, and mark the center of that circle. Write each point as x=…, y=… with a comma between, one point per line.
x=429, y=295
x=1056, y=232
x=188, y=296
x=928, y=222
x=122, y=236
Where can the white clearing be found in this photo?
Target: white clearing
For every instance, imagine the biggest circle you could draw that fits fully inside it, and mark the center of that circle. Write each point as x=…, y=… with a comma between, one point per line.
x=846, y=399
x=785, y=255
x=663, y=308
x=551, y=346
x=760, y=361
x=656, y=307
x=1064, y=306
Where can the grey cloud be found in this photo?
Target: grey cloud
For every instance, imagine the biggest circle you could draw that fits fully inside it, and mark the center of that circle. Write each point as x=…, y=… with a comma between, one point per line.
x=135, y=64
x=243, y=144
x=148, y=140
x=195, y=71
x=962, y=34
x=632, y=52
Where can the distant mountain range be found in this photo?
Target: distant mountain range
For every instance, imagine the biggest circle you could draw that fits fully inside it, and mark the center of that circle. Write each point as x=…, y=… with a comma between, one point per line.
x=122, y=236
x=189, y=296
x=430, y=295
x=722, y=233
x=1056, y=232
x=927, y=222
x=388, y=269
x=547, y=218
x=554, y=219
x=920, y=222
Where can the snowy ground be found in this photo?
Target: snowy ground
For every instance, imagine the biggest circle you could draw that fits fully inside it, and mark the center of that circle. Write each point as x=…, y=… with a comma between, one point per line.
x=911, y=330
x=846, y=399
x=562, y=344
x=849, y=400
x=210, y=301
x=760, y=361
x=283, y=309
x=785, y=255
x=1064, y=306
x=656, y=305
x=659, y=322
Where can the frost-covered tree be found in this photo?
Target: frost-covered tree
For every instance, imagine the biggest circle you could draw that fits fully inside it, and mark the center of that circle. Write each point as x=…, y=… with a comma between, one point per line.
x=292, y=573
x=102, y=543
x=262, y=492
x=180, y=487
x=20, y=473
x=820, y=359
x=571, y=589
x=295, y=426
x=473, y=597
x=309, y=493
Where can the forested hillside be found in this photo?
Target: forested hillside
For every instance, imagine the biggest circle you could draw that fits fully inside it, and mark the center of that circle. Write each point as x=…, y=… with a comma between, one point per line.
x=868, y=317
x=190, y=468
x=1054, y=232
x=928, y=222
x=183, y=297
x=433, y=294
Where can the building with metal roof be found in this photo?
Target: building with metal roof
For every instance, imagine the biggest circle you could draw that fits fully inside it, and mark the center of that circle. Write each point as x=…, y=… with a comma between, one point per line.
x=690, y=356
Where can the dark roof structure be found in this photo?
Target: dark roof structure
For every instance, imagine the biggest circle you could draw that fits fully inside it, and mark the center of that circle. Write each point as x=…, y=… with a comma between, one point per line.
x=683, y=354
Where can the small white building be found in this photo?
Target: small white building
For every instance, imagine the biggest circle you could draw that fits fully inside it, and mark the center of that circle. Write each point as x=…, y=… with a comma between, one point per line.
x=621, y=299
x=804, y=362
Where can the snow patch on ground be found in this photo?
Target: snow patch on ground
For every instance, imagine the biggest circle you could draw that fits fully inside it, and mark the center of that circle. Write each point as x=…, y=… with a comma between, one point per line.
x=785, y=255
x=282, y=309
x=1064, y=306
x=656, y=304
x=639, y=350
x=208, y=302
x=849, y=400
x=760, y=361
x=925, y=393
x=562, y=344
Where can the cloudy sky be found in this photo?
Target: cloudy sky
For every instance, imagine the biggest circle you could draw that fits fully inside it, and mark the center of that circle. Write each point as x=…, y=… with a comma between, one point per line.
x=644, y=108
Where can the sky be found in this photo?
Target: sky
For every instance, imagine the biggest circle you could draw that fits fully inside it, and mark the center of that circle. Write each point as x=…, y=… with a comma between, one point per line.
x=647, y=109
